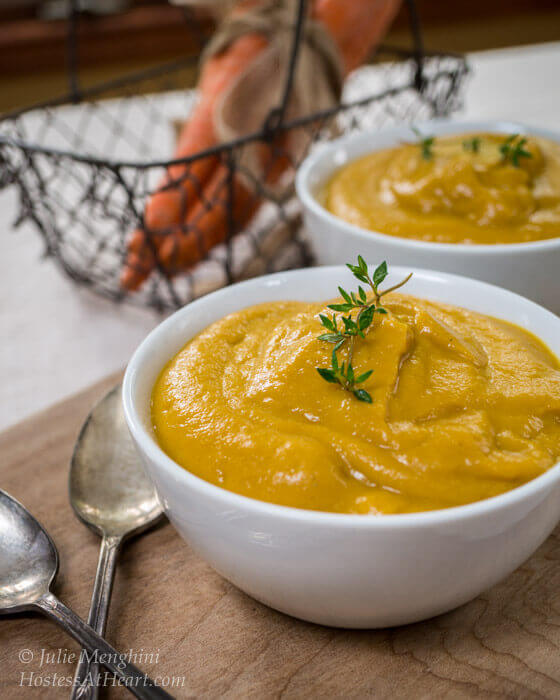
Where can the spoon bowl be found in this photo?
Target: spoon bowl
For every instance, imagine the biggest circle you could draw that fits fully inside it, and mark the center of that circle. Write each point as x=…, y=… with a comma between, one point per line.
x=109, y=490
x=28, y=557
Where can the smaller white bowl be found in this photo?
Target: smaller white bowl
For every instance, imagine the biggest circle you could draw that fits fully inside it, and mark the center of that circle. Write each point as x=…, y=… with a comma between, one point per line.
x=330, y=568
x=530, y=269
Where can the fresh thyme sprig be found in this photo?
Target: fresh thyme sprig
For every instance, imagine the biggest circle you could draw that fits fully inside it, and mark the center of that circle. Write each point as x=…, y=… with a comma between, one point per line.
x=472, y=145
x=512, y=149
x=426, y=144
x=344, y=329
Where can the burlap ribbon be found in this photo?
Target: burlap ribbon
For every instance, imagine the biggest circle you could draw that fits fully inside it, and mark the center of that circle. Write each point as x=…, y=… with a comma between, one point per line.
x=268, y=243
x=246, y=103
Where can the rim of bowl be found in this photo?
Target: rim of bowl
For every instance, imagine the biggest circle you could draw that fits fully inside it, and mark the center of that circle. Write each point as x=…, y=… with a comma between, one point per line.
x=438, y=127
x=149, y=445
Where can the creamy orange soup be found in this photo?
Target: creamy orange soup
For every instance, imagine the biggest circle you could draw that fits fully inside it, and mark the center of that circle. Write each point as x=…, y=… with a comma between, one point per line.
x=453, y=191
x=464, y=407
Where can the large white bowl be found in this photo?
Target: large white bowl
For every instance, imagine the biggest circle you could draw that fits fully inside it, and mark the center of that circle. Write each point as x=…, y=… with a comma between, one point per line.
x=335, y=569
x=530, y=269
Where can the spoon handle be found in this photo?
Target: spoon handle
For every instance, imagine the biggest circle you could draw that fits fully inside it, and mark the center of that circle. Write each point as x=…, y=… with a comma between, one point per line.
x=132, y=678
x=86, y=682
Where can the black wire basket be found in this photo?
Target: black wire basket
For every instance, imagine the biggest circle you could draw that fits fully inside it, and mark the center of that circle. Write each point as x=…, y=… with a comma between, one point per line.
x=85, y=164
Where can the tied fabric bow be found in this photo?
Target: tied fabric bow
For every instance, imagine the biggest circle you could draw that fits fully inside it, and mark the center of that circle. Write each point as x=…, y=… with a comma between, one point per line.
x=242, y=79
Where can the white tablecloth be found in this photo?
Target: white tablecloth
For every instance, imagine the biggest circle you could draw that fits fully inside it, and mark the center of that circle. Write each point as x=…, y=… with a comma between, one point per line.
x=58, y=339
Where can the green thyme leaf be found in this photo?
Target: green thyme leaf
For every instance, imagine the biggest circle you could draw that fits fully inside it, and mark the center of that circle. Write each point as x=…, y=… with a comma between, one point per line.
x=426, y=144
x=363, y=377
x=366, y=317
x=380, y=273
x=512, y=149
x=360, y=276
x=334, y=360
x=472, y=145
x=357, y=302
x=362, y=395
x=427, y=148
x=331, y=337
x=327, y=374
x=350, y=325
x=341, y=307
x=344, y=294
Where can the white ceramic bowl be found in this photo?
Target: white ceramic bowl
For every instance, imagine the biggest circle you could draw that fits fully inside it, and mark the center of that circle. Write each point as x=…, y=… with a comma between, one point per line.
x=530, y=269
x=336, y=569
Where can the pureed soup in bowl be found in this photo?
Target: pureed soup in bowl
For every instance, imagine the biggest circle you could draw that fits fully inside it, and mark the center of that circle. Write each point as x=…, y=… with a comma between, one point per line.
x=344, y=568
x=373, y=403
x=480, y=199
x=477, y=188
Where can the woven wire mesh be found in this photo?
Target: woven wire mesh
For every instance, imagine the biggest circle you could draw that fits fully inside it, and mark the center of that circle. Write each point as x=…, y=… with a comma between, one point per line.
x=84, y=172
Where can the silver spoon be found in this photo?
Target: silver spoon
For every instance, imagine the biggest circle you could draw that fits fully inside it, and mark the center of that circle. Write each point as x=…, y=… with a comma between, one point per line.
x=111, y=494
x=28, y=566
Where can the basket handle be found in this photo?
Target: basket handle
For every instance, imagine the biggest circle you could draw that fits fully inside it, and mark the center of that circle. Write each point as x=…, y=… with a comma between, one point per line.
x=419, y=52
x=72, y=52
x=275, y=117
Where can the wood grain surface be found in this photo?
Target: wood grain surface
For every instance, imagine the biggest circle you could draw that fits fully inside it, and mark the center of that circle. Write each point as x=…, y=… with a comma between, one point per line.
x=169, y=603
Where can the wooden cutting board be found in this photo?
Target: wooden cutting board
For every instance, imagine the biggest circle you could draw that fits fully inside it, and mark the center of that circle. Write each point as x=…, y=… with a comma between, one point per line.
x=217, y=642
